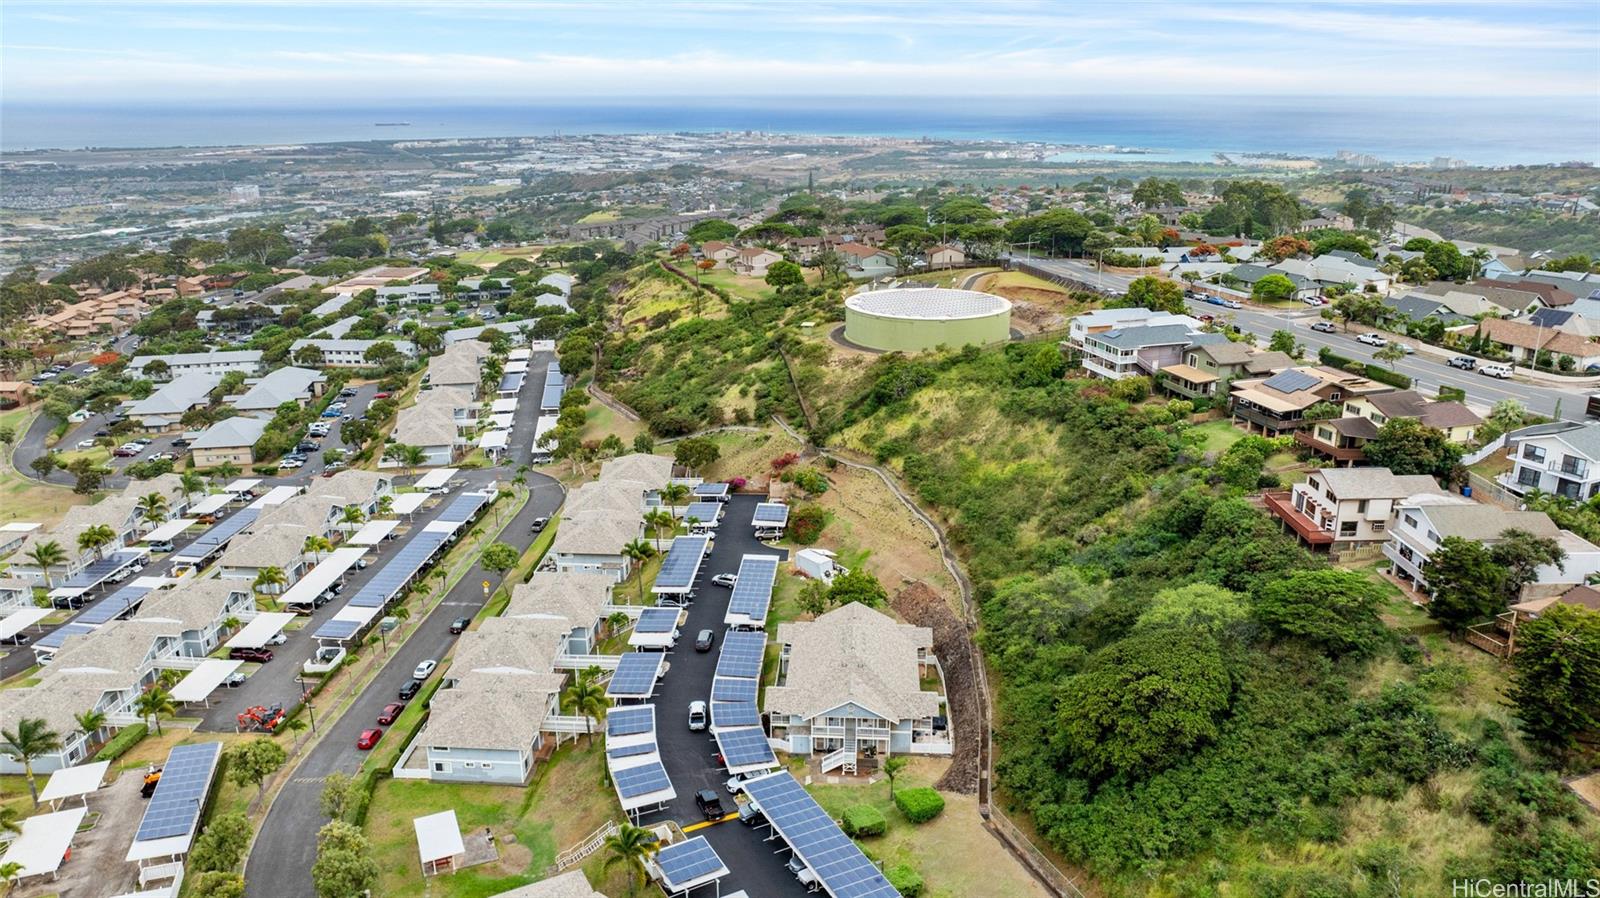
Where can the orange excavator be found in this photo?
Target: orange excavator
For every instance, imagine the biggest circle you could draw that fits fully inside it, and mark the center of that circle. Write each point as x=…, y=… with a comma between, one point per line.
x=261, y=718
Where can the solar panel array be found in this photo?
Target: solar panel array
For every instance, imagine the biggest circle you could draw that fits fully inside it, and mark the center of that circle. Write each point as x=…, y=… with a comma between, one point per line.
x=97, y=571
x=635, y=676
x=770, y=514
x=56, y=638
x=745, y=747
x=752, y=594
x=742, y=651
x=733, y=689
x=648, y=777
x=704, y=512
x=552, y=396
x=174, y=809
x=734, y=714
x=682, y=563
x=710, y=489
x=1291, y=381
x=337, y=629
x=839, y=864
x=401, y=567
x=463, y=507
x=630, y=751
x=553, y=375
x=688, y=861
x=219, y=534
x=657, y=620
x=510, y=383
x=630, y=721
x=112, y=606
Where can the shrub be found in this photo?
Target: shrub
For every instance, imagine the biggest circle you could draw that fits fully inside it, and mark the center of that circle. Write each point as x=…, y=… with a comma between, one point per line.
x=906, y=881
x=864, y=820
x=806, y=523
x=920, y=804
x=125, y=739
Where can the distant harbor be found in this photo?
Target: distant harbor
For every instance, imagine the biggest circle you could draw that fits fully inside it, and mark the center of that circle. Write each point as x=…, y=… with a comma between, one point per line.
x=391, y=124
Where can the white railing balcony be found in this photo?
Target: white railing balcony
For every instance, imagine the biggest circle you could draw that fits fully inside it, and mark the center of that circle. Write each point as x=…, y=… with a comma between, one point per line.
x=565, y=661
x=823, y=731
x=844, y=757
x=872, y=732
x=570, y=723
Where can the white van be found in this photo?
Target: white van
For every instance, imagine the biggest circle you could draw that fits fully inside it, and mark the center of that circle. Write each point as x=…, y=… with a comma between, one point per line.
x=1501, y=371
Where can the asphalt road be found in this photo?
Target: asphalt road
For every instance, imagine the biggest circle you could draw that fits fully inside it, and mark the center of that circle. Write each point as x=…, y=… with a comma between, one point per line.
x=286, y=847
x=689, y=756
x=1427, y=368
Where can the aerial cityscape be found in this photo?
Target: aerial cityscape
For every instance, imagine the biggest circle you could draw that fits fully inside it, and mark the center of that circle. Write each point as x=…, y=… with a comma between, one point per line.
x=1012, y=449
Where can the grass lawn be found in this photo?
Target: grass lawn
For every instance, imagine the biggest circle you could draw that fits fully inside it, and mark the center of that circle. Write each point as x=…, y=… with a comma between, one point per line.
x=737, y=284
x=1219, y=435
x=565, y=802
x=955, y=856
x=1019, y=279
x=600, y=216
x=23, y=498
x=601, y=420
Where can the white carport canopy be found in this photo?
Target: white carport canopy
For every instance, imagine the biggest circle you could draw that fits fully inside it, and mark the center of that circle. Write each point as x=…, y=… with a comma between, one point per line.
x=168, y=531
x=442, y=526
x=495, y=439
x=504, y=421
x=516, y=367
x=276, y=496
x=70, y=782
x=211, y=504
x=504, y=406
x=199, y=683
x=318, y=579
x=263, y=627
x=44, y=842
x=20, y=620
x=408, y=503
x=438, y=839
x=520, y=354
x=436, y=478
x=241, y=486
x=358, y=615
x=373, y=532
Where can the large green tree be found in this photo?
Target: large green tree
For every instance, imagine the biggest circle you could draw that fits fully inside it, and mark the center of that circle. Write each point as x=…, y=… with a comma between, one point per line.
x=1555, y=678
x=1335, y=610
x=1468, y=586
x=1158, y=294
x=1407, y=446
x=857, y=586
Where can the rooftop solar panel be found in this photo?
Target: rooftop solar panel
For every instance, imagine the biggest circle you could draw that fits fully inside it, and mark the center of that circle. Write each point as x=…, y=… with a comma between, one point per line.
x=510, y=383
x=839, y=864
x=630, y=721
x=741, y=654
x=745, y=747
x=752, y=594
x=337, y=629
x=642, y=780
x=682, y=563
x=710, y=489
x=771, y=514
x=734, y=714
x=657, y=620
x=174, y=809
x=400, y=567
x=220, y=533
x=631, y=751
x=733, y=689
x=1291, y=381
x=688, y=861
x=56, y=638
x=635, y=676
x=704, y=512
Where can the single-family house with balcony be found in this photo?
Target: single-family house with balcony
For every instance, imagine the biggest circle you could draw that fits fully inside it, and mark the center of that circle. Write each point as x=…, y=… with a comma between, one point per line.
x=578, y=598
x=1080, y=327
x=439, y=423
x=1499, y=637
x=409, y=294
x=1341, y=439
x=1422, y=523
x=287, y=384
x=1209, y=365
x=1276, y=405
x=218, y=362
x=1562, y=458
x=278, y=539
x=753, y=261
x=592, y=541
x=363, y=489
x=851, y=680
x=615, y=495
x=1135, y=351
x=653, y=470
x=164, y=409
x=1344, y=510
x=1328, y=270
x=229, y=441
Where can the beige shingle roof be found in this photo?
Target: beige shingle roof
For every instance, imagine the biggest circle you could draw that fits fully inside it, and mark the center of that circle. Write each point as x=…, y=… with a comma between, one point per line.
x=853, y=654
x=1375, y=483
x=621, y=496
x=490, y=711
x=652, y=470
x=578, y=597
x=460, y=363
x=596, y=533
x=571, y=884
x=195, y=604
x=527, y=644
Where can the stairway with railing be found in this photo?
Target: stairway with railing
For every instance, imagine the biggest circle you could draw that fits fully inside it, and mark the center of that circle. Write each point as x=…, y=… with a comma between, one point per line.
x=844, y=759
x=588, y=846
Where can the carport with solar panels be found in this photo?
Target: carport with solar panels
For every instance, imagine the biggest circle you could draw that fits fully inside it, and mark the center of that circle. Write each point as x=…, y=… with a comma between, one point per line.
x=838, y=865
x=735, y=721
x=633, y=759
x=680, y=570
x=686, y=866
x=752, y=592
x=635, y=677
x=703, y=516
x=213, y=541
x=770, y=516
x=656, y=628
x=173, y=814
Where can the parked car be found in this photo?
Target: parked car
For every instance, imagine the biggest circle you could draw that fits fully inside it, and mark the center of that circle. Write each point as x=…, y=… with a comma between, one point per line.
x=750, y=813
x=347, y=392
x=1464, y=362
x=735, y=784
x=384, y=394
x=126, y=451
x=539, y=524
x=1325, y=327
x=709, y=804
x=703, y=640
x=410, y=689
x=1232, y=304
x=390, y=712
x=180, y=443
x=1214, y=300
x=278, y=638
x=697, y=715
x=1313, y=301
x=160, y=547
x=86, y=444
x=422, y=670
x=1502, y=372
x=1373, y=339
x=800, y=870
x=234, y=680
x=260, y=656
x=727, y=581
x=368, y=738
x=459, y=625
x=102, y=432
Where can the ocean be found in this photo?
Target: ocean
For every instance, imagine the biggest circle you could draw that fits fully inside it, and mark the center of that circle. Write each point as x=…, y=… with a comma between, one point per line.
x=1483, y=131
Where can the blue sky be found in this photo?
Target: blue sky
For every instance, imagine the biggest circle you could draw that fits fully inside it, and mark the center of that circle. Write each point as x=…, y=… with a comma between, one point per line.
x=331, y=52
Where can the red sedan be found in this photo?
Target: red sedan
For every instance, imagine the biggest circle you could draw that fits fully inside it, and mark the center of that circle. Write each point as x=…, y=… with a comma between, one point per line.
x=368, y=738
x=390, y=712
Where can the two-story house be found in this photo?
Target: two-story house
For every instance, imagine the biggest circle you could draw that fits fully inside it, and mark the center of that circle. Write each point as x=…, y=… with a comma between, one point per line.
x=1135, y=351
x=460, y=365
x=440, y=423
x=576, y=597
x=1561, y=458
x=1277, y=405
x=1347, y=509
x=164, y=409
x=1423, y=522
x=850, y=681
x=348, y=353
x=592, y=542
x=753, y=261
x=1342, y=438
x=1211, y=363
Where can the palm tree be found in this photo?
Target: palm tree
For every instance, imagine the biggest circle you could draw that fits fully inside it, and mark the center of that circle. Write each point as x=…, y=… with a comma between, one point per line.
x=630, y=846
x=638, y=550
x=153, y=508
x=1478, y=257
x=225, y=472
x=409, y=457
x=191, y=483
x=90, y=722
x=96, y=538
x=659, y=519
x=31, y=739
x=892, y=768
x=47, y=555
x=587, y=697
x=617, y=621
x=10, y=820
x=316, y=545
x=353, y=515
x=231, y=623
x=266, y=578
x=153, y=704
x=385, y=503
x=674, y=494
x=10, y=870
